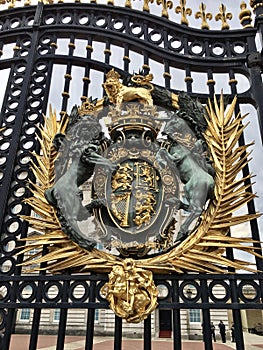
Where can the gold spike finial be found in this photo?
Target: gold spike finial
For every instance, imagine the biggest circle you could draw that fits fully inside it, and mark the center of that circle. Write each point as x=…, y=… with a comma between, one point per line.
x=184, y=12
x=146, y=5
x=166, y=5
x=245, y=16
x=223, y=16
x=204, y=16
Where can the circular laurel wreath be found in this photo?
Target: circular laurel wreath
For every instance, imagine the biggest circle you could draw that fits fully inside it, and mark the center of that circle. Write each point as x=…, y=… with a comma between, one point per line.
x=202, y=251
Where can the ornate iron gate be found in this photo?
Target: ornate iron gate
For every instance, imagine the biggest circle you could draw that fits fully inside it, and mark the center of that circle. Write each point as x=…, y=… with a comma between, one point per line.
x=30, y=39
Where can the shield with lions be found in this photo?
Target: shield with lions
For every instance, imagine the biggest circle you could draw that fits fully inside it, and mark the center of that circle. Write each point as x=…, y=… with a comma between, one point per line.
x=137, y=212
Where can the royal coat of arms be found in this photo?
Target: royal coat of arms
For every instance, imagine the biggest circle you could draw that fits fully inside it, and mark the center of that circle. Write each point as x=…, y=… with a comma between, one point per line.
x=147, y=176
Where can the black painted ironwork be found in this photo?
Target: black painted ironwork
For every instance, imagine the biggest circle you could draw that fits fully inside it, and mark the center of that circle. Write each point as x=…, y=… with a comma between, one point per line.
x=33, y=34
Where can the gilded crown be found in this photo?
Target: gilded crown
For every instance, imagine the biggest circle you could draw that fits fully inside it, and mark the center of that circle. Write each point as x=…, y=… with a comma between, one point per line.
x=133, y=115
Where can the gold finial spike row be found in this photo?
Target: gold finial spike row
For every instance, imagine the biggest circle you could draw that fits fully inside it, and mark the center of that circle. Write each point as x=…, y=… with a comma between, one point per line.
x=223, y=16
x=184, y=12
x=245, y=16
x=165, y=6
x=204, y=16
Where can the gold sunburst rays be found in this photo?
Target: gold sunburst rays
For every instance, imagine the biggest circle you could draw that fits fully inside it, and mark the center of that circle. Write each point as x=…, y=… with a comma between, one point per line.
x=202, y=251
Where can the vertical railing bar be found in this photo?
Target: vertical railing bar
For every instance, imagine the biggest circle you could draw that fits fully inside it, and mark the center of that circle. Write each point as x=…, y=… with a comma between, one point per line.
x=37, y=312
x=91, y=318
x=126, y=58
x=62, y=329
x=35, y=329
x=147, y=345
x=239, y=338
x=188, y=80
x=236, y=316
x=67, y=76
x=206, y=317
x=177, y=336
x=211, y=83
x=63, y=318
x=146, y=67
x=8, y=328
x=118, y=333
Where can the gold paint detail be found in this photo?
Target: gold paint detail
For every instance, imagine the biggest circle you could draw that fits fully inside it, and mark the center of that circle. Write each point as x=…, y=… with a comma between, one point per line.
x=86, y=107
x=255, y=4
x=118, y=93
x=175, y=100
x=245, y=16
x=89, y=47
x=133, y=116
x=68, y=76
x=63, y=113
x=54, y=45
x=144, y=179
x=131, y=291
x=146, y=5
x=144, y=208
x=72, y=45
x=204, y=16
x=120, y=207
x=188, y=78
x=232, y=81
x=16, y=48
x=107, y=51
x=184, y=12
x=126, y=58
x=166, y=5
x=146, y=66
x=86, y=79
x=128, y=3
x=123, y=178
x=167, y=75
x=223, y=16
x=65, y=94
x=210, y=81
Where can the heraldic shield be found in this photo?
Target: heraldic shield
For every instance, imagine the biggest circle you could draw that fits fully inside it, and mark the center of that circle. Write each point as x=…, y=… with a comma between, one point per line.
x=137, y=193
x=141, y=181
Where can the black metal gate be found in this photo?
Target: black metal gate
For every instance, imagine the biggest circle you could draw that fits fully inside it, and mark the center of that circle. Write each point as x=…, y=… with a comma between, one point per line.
x=96, y=38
